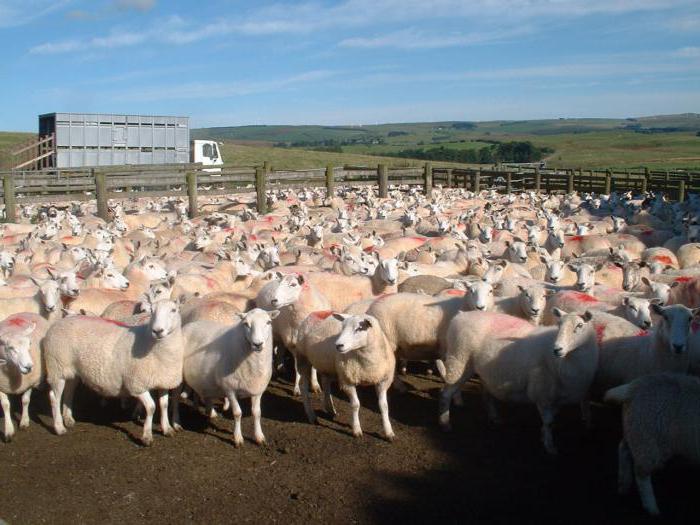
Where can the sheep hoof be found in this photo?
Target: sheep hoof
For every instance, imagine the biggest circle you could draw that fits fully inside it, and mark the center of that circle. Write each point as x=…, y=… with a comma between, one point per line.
x=316, y=388
x=177, y=427
x=7, y=438
x=147, y=441
x=390, y=437
x=260, y=441
x=69, y=422
x=238, y=443
x=297, y=391
x=60, y=430
x=357, y=433
x=169, y=432
x=24, y=424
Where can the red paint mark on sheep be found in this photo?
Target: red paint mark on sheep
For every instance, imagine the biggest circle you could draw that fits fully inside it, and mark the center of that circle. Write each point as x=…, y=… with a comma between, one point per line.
x=599, y=333
x=16, y=321
x=663, y=259
x=458, y=293
x=110, y=321
x=647, y=232
x=642, y=333
x=684, y=279
x=583, y=297
x=322, y=314
x=368, y=249
x=576, y=238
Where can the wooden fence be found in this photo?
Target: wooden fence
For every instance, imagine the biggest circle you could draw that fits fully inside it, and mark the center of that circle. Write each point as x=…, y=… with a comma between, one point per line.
x=190, y=180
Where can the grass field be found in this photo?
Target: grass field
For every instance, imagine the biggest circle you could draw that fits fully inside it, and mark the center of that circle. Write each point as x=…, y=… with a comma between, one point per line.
x=594, y=143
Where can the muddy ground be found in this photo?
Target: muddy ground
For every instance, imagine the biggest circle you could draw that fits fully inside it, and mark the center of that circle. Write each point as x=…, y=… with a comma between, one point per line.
x=98, y=473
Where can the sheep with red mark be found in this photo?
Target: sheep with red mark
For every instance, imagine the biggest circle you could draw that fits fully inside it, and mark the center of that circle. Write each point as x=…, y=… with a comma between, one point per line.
x=115, y=360
x=547, y=366
x=21, y=364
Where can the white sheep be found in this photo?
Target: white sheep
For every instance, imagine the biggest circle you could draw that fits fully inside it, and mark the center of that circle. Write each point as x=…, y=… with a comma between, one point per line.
x=352, y=348
x=660, y=420
x=21, y=363
x=234, y=362
x=115, y=360
x=516, y=362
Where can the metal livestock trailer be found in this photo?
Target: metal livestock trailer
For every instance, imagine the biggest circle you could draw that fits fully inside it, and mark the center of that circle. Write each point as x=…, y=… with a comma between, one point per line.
x=75, y=140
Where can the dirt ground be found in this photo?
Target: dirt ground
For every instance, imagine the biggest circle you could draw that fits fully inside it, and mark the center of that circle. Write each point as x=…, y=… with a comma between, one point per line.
x=98, y=473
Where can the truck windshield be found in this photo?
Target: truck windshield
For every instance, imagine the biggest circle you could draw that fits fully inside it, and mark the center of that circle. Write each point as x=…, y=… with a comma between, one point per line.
x=210, y=151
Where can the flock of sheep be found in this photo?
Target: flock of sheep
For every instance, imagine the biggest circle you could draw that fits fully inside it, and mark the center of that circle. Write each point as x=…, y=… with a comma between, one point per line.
x=549, y=300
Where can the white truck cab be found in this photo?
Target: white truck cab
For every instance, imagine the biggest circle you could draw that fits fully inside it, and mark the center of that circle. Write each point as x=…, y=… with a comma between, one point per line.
x=208, y=153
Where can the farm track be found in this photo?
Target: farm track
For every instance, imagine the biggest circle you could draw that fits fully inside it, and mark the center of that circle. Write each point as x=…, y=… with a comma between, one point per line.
x=99, y=474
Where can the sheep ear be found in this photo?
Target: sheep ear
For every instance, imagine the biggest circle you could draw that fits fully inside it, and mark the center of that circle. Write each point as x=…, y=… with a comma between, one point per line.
x=587, y=316
x=625, y=301
x=300, y=279
x=571, y=267
x=273, y=314
x=521, y=288
x=182, y=299
x=657, y=309
x=674, y=284
x=646, y=281
x=558, y=312
x=339, y=317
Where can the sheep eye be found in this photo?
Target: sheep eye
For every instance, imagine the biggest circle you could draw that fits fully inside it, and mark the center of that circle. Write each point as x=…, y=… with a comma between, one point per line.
x=173, y=311
x=579, y=326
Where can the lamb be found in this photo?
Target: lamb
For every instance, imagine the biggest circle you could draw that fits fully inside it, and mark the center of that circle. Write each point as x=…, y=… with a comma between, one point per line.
x=529, y=304
x=352, y=348
x=660, y=420
x=115, y=360
x=230, y=361
x=547, y=366
x=21, y=363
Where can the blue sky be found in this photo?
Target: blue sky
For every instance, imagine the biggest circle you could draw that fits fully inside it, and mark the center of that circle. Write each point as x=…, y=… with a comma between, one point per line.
x=234, y=62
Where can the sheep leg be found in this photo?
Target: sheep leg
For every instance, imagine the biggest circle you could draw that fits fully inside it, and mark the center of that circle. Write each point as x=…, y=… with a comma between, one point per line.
x=327, y=397
x=210, y=410
x=351, y=391
x=226, y=406
x=625, y=470
x=237, y=414
x=7, y=411
x=491, y=408
x=68, y=395
x=55, y=395
x=646, y=492
x=176, y=394
x=164, y=421
x=256, y=412
x=297, y=377
x=384, y=409
x=150, y=407
x=305, y=370
x=26, y=398
x=315, y=387
x=547, y=414
x=586, y=414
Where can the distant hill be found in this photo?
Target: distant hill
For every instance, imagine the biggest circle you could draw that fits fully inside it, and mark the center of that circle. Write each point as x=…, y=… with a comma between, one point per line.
x=412, y=133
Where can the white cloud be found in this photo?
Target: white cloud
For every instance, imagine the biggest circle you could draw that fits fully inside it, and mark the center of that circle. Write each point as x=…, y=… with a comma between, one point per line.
x=20, y=12
x=414, y=39
x=114, y=40
x=209, y=90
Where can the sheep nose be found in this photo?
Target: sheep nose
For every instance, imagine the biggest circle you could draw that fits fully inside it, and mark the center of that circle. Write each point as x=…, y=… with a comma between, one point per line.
x=339, y=347
x=678, y=348
x=158, y=332
x=27, y=369
x=481, y=308
x=647, y=324
x=535, y=311
x=558, y=351
x=127, y=285
x=274, y=302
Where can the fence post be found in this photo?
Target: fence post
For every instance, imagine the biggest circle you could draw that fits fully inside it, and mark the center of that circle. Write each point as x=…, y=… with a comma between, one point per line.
x=608, y=183
x=260, y=190
x=645, y=183
x=428, y=180
x=191, y=178
x=476, y=181
x=681, y=191
x=667, y=179
x=330, y=182
x=570, y=182
x=449, y=177
x=101, y=194
x=509, y=182
x=8, y=186
x=383, y=178
x=538, y=180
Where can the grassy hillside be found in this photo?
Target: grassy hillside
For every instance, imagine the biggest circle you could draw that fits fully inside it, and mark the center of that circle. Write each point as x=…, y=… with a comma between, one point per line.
x=664, y=141
x=8, y=142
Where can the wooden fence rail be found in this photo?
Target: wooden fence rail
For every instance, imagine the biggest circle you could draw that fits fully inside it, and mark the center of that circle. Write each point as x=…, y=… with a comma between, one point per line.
x=190, y=180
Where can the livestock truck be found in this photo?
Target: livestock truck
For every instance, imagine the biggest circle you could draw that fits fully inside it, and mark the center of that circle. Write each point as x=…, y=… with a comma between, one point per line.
x=81, y=140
